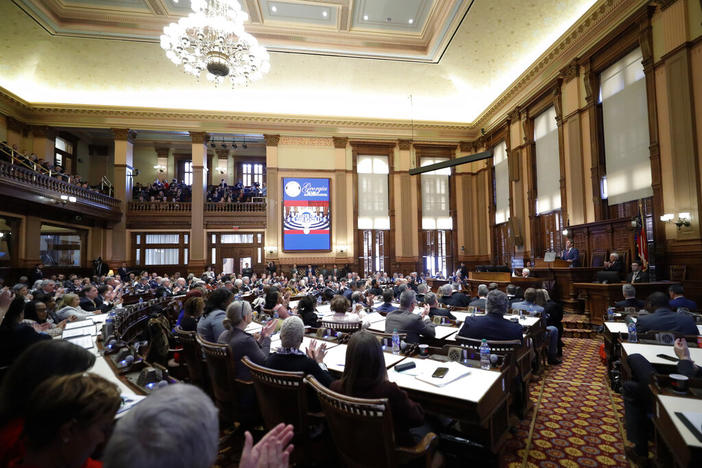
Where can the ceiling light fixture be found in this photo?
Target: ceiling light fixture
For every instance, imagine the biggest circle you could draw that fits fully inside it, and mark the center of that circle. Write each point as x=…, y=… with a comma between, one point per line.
x=325, y=13
x=274, y=8
x=212, y=40
x=411, y=21
x=365, y=17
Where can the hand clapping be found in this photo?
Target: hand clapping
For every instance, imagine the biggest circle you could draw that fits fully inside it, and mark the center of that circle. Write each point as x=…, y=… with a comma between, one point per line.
x=317, y=353
x=272, y=451
x=268, y=328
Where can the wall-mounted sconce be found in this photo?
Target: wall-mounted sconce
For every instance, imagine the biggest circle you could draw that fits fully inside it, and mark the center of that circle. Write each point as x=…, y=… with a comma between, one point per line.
x=160, y=168
x=271, y=250
x=683, y=219
x=565, y=232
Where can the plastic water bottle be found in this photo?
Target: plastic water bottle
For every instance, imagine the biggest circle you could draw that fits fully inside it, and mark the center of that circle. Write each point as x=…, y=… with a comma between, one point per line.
x=632, y=332
x=141, y=300
x=395, y=342
x=484, y=355
x=319, y=299
x=610, y=313
x=521, y=314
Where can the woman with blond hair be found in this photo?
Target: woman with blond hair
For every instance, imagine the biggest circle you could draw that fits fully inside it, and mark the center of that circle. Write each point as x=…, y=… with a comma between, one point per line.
x=69, y=306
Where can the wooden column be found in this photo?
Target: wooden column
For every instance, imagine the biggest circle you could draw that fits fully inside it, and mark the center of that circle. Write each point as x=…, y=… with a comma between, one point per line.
x=273, y=208
x=197, y=256
x=342, y=242
x=124, y=161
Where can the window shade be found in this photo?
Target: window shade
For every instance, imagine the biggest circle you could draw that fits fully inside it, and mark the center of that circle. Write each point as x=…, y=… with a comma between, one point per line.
x=499, y=157
x=625, y=122
x=548, y=172
x=435, y=197
x=373, y=192
x=161, y=256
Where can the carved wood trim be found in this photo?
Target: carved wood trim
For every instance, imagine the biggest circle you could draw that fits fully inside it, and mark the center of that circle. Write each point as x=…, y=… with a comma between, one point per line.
x=271, y=140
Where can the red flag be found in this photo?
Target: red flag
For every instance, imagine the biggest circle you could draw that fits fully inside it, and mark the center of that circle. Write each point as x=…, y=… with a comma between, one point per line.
x=641, y=240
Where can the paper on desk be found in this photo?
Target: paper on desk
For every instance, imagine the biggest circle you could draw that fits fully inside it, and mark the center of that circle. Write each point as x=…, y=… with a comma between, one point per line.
x=374, y=317
x=80, y=324
x=128, y=402
x=83, y=331
x=694, y=418
x=83, y=341
x=455, y=372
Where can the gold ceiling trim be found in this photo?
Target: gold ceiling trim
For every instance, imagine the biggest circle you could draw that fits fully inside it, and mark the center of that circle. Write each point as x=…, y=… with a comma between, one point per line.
x=582, y=35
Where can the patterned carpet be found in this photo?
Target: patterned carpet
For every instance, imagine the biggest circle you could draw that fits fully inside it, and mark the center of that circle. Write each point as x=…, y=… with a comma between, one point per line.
x=577, y=421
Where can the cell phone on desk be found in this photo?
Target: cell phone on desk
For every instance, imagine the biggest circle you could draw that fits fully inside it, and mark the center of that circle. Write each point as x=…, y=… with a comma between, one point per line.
x=668, y=358
x=440, y=372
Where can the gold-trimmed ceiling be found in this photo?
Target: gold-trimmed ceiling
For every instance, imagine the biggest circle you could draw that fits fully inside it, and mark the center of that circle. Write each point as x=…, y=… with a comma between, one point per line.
x=495, y=44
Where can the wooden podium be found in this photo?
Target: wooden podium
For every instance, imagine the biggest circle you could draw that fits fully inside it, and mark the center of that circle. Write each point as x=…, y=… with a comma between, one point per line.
x=557, y=263
x=476, y=278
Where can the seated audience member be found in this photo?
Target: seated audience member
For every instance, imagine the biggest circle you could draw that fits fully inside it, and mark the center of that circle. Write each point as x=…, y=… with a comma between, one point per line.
x=306, y=310
x=182, y=426
x=422, y=289
x=479, y=302
x=614, y=264
x=39, y=362
x=553, y=311
x=36, y=315
x=88, y=299
x=342, y=311
x=281, y=307
x=630, y=300
x=290, y=358
x=404, y=320
x=365, y=376
x=192, y=310
x=210, y=326
x=16, y=336
x=529, y=303
x=492, y=286
x=526, y=272
x=434, y=309
x=195, y=292
x=492, y=326
x=637, y=275
x=386, y=306
x=513, y=294
x=662, y=318
x=375, y=289
x=69, y=307
x=239, y=316
x=68, y=418
x=639, y=401
x=677, y=299
x=451, y=298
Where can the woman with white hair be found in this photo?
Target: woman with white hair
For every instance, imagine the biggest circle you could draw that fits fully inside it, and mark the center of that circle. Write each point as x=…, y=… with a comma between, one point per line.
x=241, y=343
x=69, y=306
x=290, y=358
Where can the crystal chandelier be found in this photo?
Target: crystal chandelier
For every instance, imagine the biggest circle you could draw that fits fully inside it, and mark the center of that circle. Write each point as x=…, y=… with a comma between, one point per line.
x=212, y=40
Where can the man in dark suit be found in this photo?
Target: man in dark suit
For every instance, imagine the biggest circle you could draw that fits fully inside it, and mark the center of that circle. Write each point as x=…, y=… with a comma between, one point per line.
x=480, y=301
x=451, y=298
x=310, y=271
x=514, y=294
x=492, y=326
x=36, y=274
x=637, y=275
x=614, y=264
x=165, y=289
x=630, y=300
x=87, y=301
x=664, y=319
x=404, y=320
x=123, y=272
x=101, y=267
x=571, y=254
x=434, y=309
x=677, y=299
x=247, y=270
x=386, y=306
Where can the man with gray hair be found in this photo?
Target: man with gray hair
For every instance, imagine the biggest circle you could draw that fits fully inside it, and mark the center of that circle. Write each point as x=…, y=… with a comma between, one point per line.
x=176, y=426
x=404, y=320
x=290, y=358
x=451, y=298
x=480, y=302
x=434, y=309
x=629, y=292
x=492, y=326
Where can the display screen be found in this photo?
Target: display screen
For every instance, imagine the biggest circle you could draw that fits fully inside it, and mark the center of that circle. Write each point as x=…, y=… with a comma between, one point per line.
x=306, y=214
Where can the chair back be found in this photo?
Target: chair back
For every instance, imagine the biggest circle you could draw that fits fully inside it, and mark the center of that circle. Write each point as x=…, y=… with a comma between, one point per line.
x=362, y=429
x=281, y=395
x=344, y=327
x=496, y=346
x=598, y=258
x=221, y=369
x=386, y=338
x=677, y=272
x=192, y=353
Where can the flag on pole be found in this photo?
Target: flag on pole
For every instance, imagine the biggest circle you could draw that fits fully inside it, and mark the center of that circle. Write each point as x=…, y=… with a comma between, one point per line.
x=640, y=238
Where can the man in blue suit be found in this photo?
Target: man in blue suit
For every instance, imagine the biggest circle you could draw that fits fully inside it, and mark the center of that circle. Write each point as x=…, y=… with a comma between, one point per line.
x=664, y=319
x=571, y=254
x=677, y=299
x=492, y=326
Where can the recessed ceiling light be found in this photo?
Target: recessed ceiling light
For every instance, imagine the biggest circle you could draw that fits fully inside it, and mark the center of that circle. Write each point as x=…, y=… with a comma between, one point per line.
x=388, y=19
x=365, y=17
x=411, y=21
x=325, y=13
x=274, y=8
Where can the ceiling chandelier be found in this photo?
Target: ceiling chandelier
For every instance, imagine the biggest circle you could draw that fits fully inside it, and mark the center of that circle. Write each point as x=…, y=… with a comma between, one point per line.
x=212, y=40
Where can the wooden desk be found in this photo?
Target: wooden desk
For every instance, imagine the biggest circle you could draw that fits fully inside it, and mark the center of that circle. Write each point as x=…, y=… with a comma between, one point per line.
x=674, y=441
x=435, y=283
x=476, y=278
x=563, y=290
x=599, y=296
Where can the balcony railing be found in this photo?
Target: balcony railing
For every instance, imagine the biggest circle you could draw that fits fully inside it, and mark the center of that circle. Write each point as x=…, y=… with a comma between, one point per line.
x=25, y=176
x=185, y=207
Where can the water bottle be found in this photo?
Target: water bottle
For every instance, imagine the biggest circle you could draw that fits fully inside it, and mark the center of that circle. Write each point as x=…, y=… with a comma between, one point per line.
x=484, y=355
x=395, y=342
x=610, y=313
x=319, y=299
x=521, y=314
x=141, y=300
x=632, y=332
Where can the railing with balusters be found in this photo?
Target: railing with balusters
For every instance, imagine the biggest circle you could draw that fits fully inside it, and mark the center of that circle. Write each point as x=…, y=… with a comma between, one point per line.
x=235, y=207
x=19, y=173
x=158, y=207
